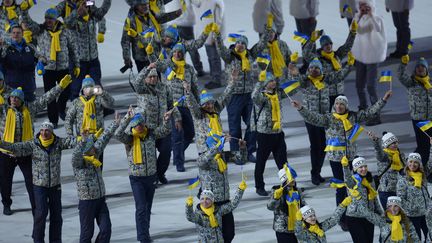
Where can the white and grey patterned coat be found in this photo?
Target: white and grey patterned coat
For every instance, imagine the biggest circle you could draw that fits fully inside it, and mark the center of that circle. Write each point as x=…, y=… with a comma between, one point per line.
x=90, y=184
x=5, y=21
x=207, y=234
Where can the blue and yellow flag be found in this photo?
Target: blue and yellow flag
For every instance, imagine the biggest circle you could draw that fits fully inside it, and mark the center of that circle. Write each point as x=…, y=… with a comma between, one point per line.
x=336, y=183
x=290, y=172
x=207, y=15
x=302, y=38
x=233, y=37
x=292, y=199
x=192, y=183
x=290, y=86
x=180, y=100
x=263, y=59
x=386, y=76
x=169, y=73
x=333, y=144
x=214, y=139
x=148, y=33
x=347, y=8
x=355, y=132
x=424, y=125
x=163, y=55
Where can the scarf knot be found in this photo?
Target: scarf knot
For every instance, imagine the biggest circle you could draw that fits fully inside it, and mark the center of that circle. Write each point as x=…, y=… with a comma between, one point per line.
x=10, y=126
x=137, y=152
x=418, y=178
x=275, y=109
x=331, y=57
x=89, y=115
x=214, y=123
x=244, y=60
x=46, y=142
x=180, y=68
x=55, y=44
x=344, y=119
x=277, y=60
x=394, y=155
x=396, y=227
x=317, y=81
x=425, y=81
x=316, y=230
x=210, y=213
x=220, y=163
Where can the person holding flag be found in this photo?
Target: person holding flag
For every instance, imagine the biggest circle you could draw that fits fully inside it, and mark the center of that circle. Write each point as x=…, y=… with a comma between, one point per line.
x=338, y=125
x=419, y=99
x=10, y=12
x=285, y=201
x=140, y=143
x=347, y=9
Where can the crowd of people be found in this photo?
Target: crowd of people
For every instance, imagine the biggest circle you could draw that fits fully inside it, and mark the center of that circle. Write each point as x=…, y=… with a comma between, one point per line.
x=172, y=113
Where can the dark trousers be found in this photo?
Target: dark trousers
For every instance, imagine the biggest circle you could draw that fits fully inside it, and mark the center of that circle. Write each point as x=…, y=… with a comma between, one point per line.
x=337, y=170
x=366, y=77
x=269, y=143
x=163, y=145
x=305, y=26
x=228, y=226
x=186, y=33
x=215, y=63
x=143, y=189
x=360, y=229
x=56, y=107
x=423, y=143
x=7, y=171
x=403, y=31
x=317, y=141
x=181, y=139
x=239, y=109
x=89, y=210
x=383, y=196
x=141, y=64
x=420, y=225
x=286, y=237
x=47, y=198
x=91, y=68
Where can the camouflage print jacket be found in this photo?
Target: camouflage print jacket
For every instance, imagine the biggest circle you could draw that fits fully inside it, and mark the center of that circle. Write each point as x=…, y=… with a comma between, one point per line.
x=385, y=225
x=127, y=42
x=45, y=161
x=415, y=201
x=159, y=3
x=264, y=110
x=334, y=127
x=419, y=98
x=355, y=208
x=210, y=176
x=176, y=84
x=148, y=148
x=5, y=22
x=309, y=53
x=280, y=210
x=207, y=234
x=86, y=31
x=318, y=100
x=6, y=92
x=74, y=115
x=389, y=179
x=244, y=83
x=305, y=236
x=201, y=119
x=89, y=179
x=69, y=49
x=33, y=107
x=286, y=53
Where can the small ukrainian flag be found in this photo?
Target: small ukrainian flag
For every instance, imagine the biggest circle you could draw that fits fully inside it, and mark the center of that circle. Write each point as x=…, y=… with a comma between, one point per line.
x=207, y=15
x=302, y=38
x=263, y=59
x=148, y=33
x=163, y=55
x=424, y=125
x=181, y=99
x=192, y=183
x=336, y=183
x=347, y=8
x=292, y=199
x=233, y=37
x=355, y=132
x=290, y=86
x=386, y=76
x=169, y=73
x=333, y=144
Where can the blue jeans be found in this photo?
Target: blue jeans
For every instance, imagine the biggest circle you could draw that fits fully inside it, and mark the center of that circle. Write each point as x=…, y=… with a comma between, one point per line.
x=89, y=210
x=181, y=139
x=240, y=108
x=91, y=68
x=47, y=198
x=163, y=145
x=143, y=189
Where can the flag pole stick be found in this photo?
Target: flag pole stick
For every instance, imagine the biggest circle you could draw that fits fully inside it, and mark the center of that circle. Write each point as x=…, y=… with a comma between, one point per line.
x=425, y=133
x=289, y=97
x=391, y=85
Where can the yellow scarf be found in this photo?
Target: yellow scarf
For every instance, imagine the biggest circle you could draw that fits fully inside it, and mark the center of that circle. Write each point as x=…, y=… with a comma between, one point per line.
x=92, y=160
x=27, y=129
x=418, y=178
x=244, y=60
x=220, y=163
x=292, y=211
x=214, y=124
x=396, y=163
x=155, y=23
x=11, y=12
x=86, y=18
x=276, y=113
x=46, y=143
x=317, y=82
x=396, y=227
x=137, y=137
x=68, y=10
x=210, y=213
x=55, y=44
x=371, y=191
x=154, y=7
x=331, y=57
x=89, y=115
x=139, y=29
x=2, y=101
x=28, y=36
x=180, y=68
x=316, y=230
x=344, y=119
x=263, y=75
x=277, y=60
x=425, y=81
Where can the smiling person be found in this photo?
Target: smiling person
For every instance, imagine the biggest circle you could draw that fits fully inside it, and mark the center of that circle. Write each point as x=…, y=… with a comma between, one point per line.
x=10, y=12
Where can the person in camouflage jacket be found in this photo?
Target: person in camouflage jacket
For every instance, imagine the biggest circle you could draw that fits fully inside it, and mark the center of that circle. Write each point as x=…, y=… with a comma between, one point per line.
x=391, y=162
x=22, y=112
x=137, y=22
x=46, y=150
x=419, y=91
x=330, y=59
x=412, y=189
x=267, y=98
x=154, y=100
x=10, y=12
x=4, y=89
x=385, y=223
x=362, y=191
x=209, y=216
x=142, y=171
x=90, y=184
